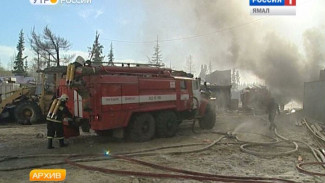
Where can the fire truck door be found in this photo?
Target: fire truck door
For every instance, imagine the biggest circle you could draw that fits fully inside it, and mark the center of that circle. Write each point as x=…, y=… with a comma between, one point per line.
x=184, y=95
x=196, y=93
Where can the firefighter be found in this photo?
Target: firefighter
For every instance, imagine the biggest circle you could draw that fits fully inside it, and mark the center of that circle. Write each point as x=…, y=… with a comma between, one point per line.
x=55, y=126
x=79, y=62
x=272, y=109
x=206, y=90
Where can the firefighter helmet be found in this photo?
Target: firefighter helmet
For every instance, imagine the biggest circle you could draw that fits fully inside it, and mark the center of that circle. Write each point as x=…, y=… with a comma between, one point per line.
x=64, y=97
x=80, y=60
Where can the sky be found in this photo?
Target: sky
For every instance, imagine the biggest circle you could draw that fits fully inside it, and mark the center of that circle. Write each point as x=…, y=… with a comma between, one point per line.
x=133, y=25
x=77, y=23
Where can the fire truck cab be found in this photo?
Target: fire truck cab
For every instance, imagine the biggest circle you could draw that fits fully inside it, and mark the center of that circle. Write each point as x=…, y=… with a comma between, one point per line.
x=143, y=102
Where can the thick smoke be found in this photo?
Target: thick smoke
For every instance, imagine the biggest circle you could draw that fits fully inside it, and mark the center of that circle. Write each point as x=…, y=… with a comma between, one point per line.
x=314, y=44
x=254, y=46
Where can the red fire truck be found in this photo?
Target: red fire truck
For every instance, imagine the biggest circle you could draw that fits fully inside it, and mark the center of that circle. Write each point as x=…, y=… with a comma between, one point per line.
x=140, y=101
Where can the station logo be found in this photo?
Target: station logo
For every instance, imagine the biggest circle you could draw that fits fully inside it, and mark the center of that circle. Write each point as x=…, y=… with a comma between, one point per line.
x=272, y=7
x=54, y=2
x=43, y=2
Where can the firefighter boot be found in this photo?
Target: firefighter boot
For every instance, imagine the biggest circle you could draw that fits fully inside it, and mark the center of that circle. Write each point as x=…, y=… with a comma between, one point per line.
x=62, y=144
x=49, y=144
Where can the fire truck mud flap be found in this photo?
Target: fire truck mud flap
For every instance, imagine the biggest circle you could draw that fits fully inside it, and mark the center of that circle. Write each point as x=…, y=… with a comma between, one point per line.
x=166, y=124
x=209, y=118
x=141, y=128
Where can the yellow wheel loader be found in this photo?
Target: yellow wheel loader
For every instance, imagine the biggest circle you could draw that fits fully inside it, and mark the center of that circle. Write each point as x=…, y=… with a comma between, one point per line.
x=21, y=106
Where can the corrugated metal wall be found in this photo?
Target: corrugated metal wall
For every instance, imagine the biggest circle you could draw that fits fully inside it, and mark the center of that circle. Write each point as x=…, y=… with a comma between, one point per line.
x=314, y=100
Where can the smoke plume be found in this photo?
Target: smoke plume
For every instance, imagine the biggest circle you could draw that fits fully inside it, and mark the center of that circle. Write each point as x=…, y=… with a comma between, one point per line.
x=230, y=38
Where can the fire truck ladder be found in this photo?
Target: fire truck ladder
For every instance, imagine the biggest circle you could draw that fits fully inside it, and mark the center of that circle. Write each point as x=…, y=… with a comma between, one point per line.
x=123, y=64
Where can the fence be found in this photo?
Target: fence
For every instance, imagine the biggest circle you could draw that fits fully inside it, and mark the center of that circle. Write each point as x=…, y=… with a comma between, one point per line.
x=6, y=89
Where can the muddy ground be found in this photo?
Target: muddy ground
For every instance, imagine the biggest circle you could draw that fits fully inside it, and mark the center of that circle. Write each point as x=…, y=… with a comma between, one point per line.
x=223, y=159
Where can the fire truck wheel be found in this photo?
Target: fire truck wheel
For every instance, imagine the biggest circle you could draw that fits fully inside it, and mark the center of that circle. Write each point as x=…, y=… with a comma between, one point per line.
x=166, y=124
x=141, y=128
x=27, y=111
x=208, y=120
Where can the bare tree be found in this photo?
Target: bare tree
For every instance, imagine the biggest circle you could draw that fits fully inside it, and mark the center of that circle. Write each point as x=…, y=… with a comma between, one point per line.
x=48, y=45
x=4, y=72
x=12, y=60
x=41, y=59
x=190, y=67
x=203, y=72
x=54, y=44
x=210, y=67
x=36, y=45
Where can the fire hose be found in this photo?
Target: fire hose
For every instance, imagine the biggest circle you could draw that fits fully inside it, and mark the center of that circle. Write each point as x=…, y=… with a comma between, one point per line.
x=126, y=156
x=319, y=156
x=184, y=173
x=191, y=175
x=276, y=142
x=299, y=167
x=149, y=152
x=316, y=153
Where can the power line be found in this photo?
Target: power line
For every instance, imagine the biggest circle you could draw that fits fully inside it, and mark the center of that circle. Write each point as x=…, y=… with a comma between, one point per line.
x=186, y=37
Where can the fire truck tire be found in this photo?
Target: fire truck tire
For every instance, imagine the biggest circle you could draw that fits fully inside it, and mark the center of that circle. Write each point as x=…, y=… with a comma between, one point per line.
x=27, y=110
x=141, y=128
x=208, y=120
x=166, y=124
